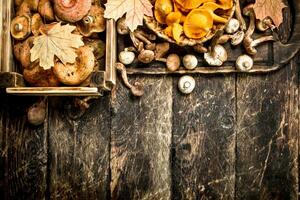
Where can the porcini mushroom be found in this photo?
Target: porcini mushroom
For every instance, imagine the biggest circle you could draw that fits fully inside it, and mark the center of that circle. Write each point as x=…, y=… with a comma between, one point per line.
x=74, y=74
x=46, y=10
x=93, y=22
x=21, y=27
x=71, y=10
x=190, y=61
x=217, y=56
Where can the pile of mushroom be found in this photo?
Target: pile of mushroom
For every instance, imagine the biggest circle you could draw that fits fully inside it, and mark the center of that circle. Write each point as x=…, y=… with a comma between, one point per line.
x=32, y=16
x=194, y=19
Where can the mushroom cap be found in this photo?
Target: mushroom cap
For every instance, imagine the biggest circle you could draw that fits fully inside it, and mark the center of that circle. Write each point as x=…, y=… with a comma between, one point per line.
x=94, y=22
x=38, y=77
x=74, y=74
x=186, y=84
x=173, y=62
x=216, y=58
x=46, y=10
x=232, y=26
x=161, y=49
x=72, y=10
x=126, y=57
x=25, y=53
x=237, y=38
x=36, y=23
x=21, y=27
x=122, y=28
x=190, y=61
x=146, y=56
x=244, y=63
x=97, y=45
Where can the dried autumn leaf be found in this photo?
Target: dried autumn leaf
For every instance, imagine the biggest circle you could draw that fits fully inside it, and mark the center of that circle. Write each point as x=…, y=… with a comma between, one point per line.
x=269, y=8
x=134, y=10
x=58, y=41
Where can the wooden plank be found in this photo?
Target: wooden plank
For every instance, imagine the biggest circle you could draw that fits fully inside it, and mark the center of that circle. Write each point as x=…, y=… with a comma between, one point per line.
x=267, y=135
x=140, y=141
x=11, y=79
x=79, y=150
x=204, y=140
x=23, y=152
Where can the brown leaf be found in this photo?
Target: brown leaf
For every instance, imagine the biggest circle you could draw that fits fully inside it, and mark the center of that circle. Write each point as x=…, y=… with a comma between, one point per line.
x=269, y=8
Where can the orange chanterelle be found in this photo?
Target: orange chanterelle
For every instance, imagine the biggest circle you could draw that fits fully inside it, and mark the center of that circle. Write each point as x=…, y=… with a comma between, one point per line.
x=193, y=18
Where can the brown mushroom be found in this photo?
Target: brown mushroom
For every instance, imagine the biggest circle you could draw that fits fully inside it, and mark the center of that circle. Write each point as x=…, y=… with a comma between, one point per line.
x=74, y=74
x=94, y=22
x=161, y=49
x=122, y=27
x=21, y=27
x=173, y=62
x=38, y=77
x=97, y=45
x=46, y=10
x=71, y=10
x=36, y=23
x=24, y=53
x=146, y=56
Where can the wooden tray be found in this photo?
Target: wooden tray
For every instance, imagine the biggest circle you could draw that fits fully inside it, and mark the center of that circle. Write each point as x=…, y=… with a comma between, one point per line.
x=14, y=82
x=270, y=57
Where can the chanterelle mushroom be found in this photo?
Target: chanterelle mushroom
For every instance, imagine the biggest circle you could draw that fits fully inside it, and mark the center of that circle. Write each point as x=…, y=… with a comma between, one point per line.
x=94, y=22
x=71, y=10
x=74, y=74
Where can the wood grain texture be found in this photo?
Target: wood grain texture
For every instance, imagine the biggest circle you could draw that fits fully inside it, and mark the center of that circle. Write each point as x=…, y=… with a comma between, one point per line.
x=141, y=140
x=267, y=135
x=204, y=140
x=23, y=152
x=79, y=150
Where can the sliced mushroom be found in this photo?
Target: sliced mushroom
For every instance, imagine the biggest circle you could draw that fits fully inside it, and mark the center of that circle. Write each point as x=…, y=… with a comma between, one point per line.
x=71, y=10
x=94, y=22
x=38, y=77
x=46, y=10
x=74, y=74
x=21, y=27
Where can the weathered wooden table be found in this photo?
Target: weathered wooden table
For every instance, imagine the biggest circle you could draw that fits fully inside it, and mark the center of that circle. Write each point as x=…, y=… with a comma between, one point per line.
x=235, y=137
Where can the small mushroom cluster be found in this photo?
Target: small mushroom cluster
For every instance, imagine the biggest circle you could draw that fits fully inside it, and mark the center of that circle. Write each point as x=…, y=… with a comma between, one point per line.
x=36, y=16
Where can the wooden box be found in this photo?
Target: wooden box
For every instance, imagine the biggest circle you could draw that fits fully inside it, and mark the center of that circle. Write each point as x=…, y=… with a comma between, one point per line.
x=13, y=81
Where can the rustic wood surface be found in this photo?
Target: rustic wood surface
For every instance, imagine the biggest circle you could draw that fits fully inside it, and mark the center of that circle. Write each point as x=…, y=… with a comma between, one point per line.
x=235, y=137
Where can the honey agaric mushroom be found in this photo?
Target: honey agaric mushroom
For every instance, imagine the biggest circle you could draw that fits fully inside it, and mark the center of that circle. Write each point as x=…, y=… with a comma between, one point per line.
x=46, y=10
x=161, y=9
x=38, y=77
x=36, y=23
x=74, y=74
x=94, y=22
x=71, y=10
x=21, y=27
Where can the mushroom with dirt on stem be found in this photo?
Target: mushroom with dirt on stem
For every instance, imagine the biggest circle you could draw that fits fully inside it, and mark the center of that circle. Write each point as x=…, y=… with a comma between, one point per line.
x=136, y=88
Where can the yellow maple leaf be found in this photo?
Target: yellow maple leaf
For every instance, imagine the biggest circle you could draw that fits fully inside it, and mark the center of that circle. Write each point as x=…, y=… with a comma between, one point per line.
x=59, y=41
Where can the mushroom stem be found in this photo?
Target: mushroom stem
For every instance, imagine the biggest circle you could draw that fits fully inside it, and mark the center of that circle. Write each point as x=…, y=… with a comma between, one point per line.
x=262, y=40
x=137, y=88
x=136, y=42
x=251, y=27
x=18, y=27
x=238, y=15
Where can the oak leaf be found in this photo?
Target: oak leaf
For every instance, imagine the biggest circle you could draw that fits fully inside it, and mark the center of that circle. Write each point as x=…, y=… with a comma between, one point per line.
x=134, y=10
x=59, y=41
x=269, y=8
